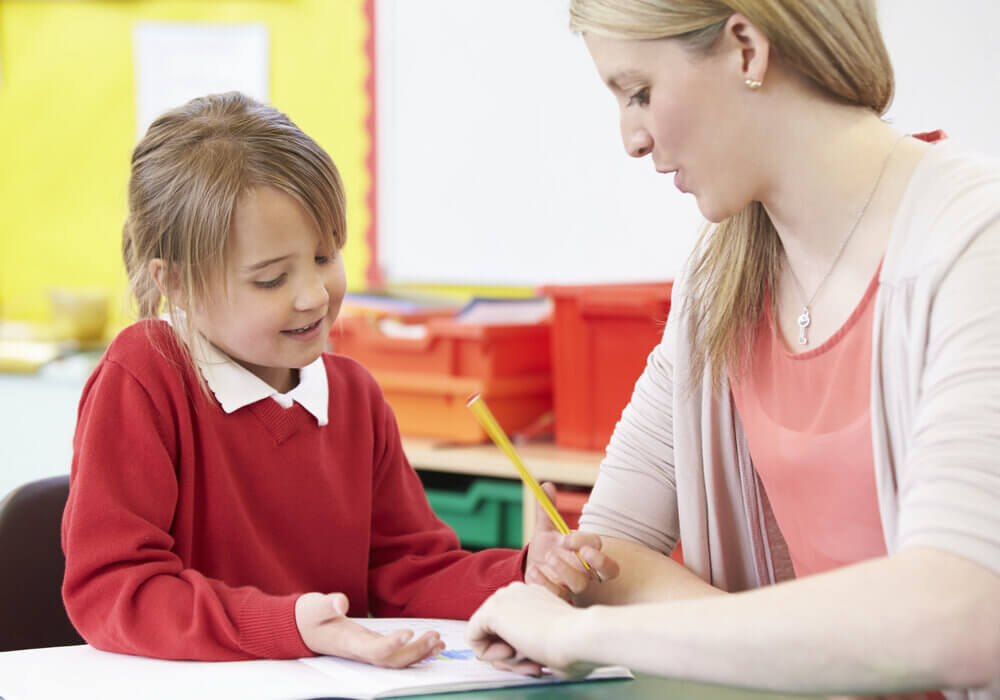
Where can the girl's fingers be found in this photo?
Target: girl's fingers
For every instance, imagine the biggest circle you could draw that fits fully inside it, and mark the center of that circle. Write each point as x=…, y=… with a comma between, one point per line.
x=395, y=650
x=401, y=637
x=338, y=604
x=427, y=645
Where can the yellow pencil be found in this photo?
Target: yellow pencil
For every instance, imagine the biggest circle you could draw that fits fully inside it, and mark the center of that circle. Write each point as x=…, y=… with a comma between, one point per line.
x=493, y=429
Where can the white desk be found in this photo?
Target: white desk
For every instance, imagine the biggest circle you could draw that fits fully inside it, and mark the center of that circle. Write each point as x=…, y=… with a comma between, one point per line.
x=83, y=673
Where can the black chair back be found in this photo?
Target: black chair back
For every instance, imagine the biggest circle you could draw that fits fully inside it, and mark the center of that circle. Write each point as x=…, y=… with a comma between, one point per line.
x=31, y=567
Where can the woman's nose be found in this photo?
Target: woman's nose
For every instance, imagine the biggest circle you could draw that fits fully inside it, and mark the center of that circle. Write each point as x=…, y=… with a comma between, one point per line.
x=638, y=142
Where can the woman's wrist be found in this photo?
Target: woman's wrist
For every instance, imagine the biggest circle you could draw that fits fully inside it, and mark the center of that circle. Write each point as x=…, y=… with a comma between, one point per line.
x=580, y=638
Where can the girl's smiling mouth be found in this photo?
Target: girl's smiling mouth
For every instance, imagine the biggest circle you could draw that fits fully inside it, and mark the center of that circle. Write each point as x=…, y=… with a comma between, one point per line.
x=304, y=329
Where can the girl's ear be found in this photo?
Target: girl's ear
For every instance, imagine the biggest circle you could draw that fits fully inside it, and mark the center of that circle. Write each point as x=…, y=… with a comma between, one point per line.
x=750, y=47
x=165, y=277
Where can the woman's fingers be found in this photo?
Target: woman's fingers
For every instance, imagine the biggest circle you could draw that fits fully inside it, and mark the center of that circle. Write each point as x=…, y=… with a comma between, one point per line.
x=574, y=671
x=496, y=651
x=514, y=628
x=560, y=563
x=567, y=568
x=526, y=667
x=588, y=546
x=502, y=657
x=541, y=574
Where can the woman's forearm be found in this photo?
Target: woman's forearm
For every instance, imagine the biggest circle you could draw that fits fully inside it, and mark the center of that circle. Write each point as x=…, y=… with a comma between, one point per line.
x=920, y=619
x=646, y=576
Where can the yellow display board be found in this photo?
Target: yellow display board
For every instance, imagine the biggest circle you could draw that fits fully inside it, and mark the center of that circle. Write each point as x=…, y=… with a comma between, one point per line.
x=67, y=128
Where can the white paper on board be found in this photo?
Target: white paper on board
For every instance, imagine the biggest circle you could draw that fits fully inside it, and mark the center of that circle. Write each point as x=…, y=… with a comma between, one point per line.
x=177, y=61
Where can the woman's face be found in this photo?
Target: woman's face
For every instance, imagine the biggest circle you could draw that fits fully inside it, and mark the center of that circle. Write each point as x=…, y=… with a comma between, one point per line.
x=687, y=111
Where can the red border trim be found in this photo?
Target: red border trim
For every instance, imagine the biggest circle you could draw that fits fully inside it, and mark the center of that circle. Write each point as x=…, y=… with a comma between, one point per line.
x=373, y=274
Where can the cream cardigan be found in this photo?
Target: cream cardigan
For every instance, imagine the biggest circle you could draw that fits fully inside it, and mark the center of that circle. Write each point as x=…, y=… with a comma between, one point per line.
x=678, y=465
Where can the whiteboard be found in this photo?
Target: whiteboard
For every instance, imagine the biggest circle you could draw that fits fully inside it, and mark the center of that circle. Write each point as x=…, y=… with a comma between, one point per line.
x=499, y=159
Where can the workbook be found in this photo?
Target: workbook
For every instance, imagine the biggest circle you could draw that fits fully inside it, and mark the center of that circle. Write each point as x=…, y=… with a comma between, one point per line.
x=82, y=672
x=455, y=668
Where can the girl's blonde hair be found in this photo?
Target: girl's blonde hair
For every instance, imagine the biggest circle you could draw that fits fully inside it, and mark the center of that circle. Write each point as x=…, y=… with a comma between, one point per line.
x=838, y=47
x=188, y=173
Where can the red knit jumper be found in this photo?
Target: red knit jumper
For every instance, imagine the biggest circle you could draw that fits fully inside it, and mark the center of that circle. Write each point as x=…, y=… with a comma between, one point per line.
x=189, y=533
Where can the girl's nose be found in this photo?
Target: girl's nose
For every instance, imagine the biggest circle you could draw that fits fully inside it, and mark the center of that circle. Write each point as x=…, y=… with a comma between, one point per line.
x=312, y=295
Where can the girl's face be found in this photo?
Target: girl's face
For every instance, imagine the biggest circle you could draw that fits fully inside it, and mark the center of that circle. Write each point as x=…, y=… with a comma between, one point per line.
x=686, y=111
x=282, y=289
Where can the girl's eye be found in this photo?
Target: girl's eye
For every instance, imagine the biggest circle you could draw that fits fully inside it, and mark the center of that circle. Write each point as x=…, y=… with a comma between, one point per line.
x=322, y=259
x=270, y=284
x=640, y=98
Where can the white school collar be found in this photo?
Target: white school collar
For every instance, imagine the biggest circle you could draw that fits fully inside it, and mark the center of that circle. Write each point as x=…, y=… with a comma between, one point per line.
x=235, y=386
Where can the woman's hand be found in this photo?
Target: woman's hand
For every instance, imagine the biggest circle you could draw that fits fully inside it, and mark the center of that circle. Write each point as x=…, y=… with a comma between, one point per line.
x=524, y=628
x=325, y=630
x=895, y=696
x=552, y=559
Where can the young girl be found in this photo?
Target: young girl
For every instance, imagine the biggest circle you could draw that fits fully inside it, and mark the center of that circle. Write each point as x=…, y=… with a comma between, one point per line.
x=820, y=425
x=235, y=492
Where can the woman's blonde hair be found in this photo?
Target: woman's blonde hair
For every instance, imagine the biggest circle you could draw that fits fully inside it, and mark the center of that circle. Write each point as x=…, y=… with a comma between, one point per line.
x=838, y=47
x=189, y=171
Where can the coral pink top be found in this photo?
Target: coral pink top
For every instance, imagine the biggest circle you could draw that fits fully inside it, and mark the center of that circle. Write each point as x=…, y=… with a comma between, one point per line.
x=809, y=434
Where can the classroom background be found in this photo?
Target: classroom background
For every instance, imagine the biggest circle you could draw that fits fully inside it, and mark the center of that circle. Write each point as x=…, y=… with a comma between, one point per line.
x=481, y=158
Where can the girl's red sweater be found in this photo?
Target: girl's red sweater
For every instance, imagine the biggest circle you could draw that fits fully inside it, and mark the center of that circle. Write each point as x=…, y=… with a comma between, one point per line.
x=190, y=533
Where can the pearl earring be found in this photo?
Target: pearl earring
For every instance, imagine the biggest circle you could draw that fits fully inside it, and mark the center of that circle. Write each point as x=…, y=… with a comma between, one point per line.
x=753, y=84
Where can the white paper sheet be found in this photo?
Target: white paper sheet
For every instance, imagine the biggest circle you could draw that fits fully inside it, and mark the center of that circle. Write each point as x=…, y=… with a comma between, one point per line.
x=84, y=673
x=177, y=61
x=456, y=668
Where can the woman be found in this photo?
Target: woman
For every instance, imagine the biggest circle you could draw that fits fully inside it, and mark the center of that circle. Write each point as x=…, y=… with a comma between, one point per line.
x=820, y=424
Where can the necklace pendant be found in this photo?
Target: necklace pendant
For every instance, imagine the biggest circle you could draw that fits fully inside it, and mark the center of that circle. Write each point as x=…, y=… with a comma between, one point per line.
x=804, y=322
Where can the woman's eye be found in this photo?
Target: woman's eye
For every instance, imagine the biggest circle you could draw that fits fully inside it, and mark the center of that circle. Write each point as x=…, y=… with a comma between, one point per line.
x=640, y=98
x=270, y=284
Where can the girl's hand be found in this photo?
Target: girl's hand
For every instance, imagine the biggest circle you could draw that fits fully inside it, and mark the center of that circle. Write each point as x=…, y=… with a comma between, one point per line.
x=552, y=559
x=524, y=628
x=325, y=630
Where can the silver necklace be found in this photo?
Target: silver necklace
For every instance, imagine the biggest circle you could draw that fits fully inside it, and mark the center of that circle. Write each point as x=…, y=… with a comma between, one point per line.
x=805, y=320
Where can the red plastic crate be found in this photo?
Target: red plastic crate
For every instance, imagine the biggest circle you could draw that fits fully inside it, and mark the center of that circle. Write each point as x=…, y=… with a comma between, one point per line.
x=448, y=348
x=434, y=405
x=570, y=504
x=601, y=337
x=427, y=381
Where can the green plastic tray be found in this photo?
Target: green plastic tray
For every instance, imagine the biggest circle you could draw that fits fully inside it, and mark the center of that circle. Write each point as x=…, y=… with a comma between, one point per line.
x=485, y=514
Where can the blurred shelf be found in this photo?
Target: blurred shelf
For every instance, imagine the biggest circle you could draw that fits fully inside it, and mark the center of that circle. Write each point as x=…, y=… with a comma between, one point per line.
x=545, y=460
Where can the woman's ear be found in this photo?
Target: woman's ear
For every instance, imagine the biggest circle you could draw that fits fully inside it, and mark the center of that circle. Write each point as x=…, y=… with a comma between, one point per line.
x=750, y=48
x=165, y=278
